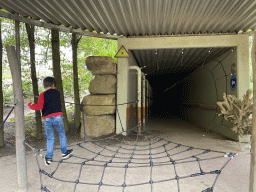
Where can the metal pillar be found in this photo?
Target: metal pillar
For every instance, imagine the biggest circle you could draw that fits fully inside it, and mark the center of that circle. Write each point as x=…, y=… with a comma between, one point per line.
x=19, y=119
x=147, y=101
x=144, y=101
x=139, y=96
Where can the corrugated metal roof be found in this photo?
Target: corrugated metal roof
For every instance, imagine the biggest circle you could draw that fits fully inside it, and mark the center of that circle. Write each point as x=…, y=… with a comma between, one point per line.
x=141, y=17
x=161, y=61
x=147, y=17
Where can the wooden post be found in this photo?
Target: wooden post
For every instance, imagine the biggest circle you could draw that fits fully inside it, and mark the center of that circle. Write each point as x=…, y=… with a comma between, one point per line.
x=19, y=119
x=1, y=90
x=75, y=42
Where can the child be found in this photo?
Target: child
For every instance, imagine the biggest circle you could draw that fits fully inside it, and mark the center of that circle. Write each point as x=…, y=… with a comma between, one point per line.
x=50, y=104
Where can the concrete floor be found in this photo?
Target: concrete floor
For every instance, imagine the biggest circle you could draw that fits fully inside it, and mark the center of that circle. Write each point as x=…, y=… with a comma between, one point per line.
x=234, y=177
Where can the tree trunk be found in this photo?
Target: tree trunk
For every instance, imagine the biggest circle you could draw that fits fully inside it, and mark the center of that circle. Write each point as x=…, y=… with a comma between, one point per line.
x=31, y=39
x=75, y=42
x=57, y=73
x=1, y=91
x=17, y=39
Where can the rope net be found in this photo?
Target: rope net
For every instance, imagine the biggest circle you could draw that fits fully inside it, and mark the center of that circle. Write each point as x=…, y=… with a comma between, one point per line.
x=132, y=161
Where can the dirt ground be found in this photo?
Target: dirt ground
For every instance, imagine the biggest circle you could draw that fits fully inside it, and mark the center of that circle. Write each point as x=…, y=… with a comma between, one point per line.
x=233, y=178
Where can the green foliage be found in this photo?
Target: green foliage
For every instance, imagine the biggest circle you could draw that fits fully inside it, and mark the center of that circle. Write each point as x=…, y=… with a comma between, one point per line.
x=96, y=46
x=7, y=94
x=12, y=119
x=86, y=47
x=70, y=109
x=30, y=122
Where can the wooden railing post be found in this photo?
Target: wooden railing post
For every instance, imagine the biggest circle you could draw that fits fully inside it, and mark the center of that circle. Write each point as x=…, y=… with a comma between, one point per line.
x=19, y=119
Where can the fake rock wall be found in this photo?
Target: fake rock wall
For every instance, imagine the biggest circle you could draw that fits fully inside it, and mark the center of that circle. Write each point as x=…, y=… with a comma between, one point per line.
x=99, y=120
x=103, y=84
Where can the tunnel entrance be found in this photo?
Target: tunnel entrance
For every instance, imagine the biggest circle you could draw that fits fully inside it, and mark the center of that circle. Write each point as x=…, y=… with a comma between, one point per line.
x=187, y=83
x=188, y=74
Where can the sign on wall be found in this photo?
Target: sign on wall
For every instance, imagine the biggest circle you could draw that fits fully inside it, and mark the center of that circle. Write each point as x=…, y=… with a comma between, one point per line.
x=233, y=82
x=122, y=53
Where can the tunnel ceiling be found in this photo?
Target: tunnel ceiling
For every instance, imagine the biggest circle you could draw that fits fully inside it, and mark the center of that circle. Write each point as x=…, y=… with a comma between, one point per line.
x=139, y=17
x=175, y=61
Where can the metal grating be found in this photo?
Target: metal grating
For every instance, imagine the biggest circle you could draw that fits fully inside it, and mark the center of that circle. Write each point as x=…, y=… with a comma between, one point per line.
x=141, y=17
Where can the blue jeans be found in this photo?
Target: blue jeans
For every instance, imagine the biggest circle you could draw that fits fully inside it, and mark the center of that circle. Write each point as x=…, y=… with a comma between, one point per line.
x=49, y=124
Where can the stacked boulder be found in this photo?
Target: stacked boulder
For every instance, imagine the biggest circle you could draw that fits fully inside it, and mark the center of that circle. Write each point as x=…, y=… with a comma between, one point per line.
x=99, y=106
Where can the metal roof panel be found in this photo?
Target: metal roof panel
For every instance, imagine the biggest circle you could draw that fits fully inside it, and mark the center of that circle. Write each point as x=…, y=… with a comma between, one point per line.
x=142, y=17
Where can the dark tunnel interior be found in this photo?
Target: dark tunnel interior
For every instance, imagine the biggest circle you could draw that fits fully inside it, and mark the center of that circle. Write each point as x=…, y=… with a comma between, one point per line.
x=167, y=96
x=165, y=69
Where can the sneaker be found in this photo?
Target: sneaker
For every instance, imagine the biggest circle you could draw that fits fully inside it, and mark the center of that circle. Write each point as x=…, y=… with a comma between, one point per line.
x=47, y=161
x=67, y=154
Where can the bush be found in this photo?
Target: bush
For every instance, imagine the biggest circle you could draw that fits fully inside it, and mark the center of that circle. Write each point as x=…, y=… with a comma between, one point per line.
x=7, y=94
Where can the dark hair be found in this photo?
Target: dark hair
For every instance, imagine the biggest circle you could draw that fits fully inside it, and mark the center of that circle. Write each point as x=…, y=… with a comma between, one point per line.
x=49, y=82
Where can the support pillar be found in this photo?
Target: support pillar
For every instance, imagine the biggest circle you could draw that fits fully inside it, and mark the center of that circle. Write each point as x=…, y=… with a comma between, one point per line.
x=253, y=142
x=122, y=97
x=144, y=97
x=19, y=119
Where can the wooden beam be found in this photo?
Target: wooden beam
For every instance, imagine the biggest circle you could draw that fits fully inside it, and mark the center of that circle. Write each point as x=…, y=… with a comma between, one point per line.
x=55, y=27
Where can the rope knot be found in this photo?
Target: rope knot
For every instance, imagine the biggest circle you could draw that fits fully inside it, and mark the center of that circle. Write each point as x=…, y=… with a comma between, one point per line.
x=207, y=151
x=190, y=148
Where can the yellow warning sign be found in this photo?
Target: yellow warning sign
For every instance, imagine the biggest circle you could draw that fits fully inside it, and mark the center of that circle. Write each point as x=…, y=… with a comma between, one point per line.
x=122, y=53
